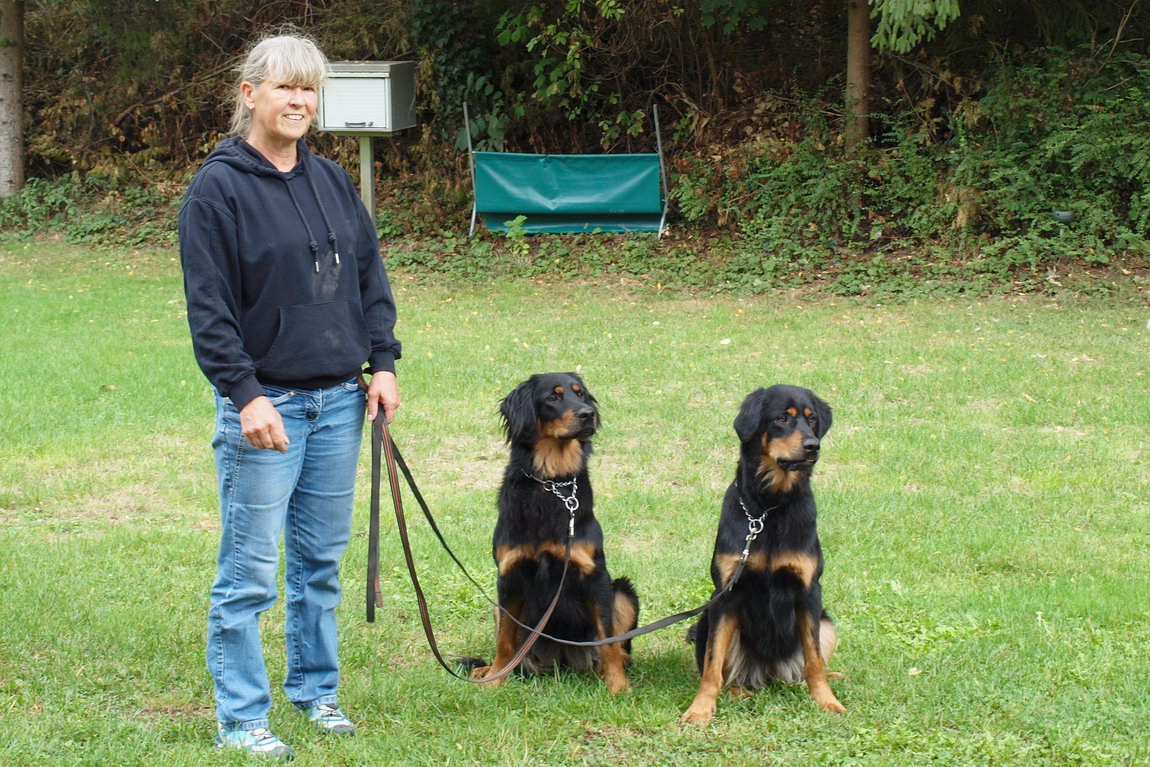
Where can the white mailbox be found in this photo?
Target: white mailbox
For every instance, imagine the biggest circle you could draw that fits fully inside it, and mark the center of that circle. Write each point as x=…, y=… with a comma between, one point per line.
x=368, y=98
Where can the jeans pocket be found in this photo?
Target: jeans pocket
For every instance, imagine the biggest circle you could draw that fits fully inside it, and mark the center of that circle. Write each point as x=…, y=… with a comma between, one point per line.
x=277, y=395
x=352, y=385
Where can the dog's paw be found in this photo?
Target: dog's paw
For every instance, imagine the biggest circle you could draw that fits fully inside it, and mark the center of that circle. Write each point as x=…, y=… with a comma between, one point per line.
x=698, y=714
x=616, y=685
x=483, y=672
x=740, y=693
x=831, y=703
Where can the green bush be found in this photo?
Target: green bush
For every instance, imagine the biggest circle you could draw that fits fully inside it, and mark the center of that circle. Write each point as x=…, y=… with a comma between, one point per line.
x=1060, y=132
x=91, y=209
x=1056, y=130
x=40, y=203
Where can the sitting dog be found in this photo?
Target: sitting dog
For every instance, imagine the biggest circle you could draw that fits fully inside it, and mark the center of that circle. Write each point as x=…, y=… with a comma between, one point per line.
x=771, y=624
x=549, y=420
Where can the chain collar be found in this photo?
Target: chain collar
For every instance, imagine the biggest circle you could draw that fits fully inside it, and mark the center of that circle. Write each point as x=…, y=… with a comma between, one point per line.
x=754, y=524
x=569, y=501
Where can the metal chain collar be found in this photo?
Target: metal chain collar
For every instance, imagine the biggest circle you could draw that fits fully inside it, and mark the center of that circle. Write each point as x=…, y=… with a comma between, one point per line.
x=754, y=525
x=569, y=501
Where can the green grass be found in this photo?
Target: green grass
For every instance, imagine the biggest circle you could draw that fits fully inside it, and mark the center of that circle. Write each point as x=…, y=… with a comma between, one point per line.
x=982, y=497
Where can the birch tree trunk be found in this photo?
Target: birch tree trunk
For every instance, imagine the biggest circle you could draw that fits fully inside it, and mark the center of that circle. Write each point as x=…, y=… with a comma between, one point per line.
x=11, y=96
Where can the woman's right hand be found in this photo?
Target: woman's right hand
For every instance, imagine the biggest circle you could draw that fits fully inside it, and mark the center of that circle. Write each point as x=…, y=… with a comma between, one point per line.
x=262, y=425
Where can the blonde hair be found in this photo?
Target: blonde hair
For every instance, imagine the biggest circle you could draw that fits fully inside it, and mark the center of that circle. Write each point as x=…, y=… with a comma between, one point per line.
x=290, y=59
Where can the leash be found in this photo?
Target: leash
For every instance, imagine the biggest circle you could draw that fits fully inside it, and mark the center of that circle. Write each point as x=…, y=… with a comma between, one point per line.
x=382, y=446
x=381, y=438
x=755, y=526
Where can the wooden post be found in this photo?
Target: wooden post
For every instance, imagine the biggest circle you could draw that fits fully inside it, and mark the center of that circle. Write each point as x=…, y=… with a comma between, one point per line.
x=367, y=175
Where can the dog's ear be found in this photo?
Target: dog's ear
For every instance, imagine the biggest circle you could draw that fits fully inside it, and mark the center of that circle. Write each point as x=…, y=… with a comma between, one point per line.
x=823, y=411
x=518, y=411
x=748, y=422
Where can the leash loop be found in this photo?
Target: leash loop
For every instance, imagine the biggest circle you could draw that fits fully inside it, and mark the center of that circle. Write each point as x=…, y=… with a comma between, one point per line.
x=754, y=527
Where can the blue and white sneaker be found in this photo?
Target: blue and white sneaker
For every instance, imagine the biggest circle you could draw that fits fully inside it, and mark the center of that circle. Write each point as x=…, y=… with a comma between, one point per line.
x=329, y=719
x=258, y=741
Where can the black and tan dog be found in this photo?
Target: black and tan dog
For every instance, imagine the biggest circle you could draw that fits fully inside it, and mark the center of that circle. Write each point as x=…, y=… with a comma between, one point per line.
x=549, y=421
x=771, y=625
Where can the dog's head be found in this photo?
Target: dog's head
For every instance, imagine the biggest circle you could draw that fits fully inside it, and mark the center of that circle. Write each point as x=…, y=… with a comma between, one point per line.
x=780, y=429
x=550, y=406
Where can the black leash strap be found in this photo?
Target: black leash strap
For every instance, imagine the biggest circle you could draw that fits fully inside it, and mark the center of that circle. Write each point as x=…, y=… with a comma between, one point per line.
x=537, y=630
x=374, y=595
x=382, y=445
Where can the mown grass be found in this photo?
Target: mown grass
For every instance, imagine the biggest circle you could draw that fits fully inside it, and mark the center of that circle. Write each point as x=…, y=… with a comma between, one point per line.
x=982, y=497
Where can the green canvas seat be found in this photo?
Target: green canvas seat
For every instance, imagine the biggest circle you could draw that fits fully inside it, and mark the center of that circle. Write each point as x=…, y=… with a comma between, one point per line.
x=569, y=193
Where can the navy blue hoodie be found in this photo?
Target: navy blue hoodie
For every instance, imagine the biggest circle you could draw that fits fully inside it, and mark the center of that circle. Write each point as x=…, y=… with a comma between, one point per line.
x=283, y=276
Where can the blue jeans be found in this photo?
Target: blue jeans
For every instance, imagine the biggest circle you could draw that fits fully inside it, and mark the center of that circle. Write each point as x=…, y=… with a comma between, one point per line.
x=306, y=494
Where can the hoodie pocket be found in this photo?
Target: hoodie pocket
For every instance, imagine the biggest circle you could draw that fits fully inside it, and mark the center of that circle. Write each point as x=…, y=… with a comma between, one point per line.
x=317, y=341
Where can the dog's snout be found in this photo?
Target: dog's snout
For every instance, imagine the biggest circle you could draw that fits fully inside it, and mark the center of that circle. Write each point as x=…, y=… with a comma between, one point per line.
x=811, y=446
x=586, y=413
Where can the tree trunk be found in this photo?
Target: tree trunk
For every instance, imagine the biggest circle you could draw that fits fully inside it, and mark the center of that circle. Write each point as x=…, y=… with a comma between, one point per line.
x=11, y=96
x=856, y=128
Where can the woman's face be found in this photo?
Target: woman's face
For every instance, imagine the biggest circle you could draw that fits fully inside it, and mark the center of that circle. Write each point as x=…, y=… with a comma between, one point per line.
x=281, y=113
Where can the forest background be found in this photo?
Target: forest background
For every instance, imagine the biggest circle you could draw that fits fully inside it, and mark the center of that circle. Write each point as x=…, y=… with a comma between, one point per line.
x=984, y=119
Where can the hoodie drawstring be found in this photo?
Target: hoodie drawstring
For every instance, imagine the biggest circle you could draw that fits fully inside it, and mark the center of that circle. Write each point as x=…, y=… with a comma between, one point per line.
x=331, y=238
x=323, y=212
x=241, y=154
x=311, y=238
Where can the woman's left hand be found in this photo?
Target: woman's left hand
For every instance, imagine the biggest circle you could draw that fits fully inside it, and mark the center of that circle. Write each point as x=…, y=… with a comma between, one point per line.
x=383, y=391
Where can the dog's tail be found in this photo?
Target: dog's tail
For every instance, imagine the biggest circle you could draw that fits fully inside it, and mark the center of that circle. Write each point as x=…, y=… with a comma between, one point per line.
x=626, y=588
x=469, y=664
x=626, y=607
x=626, y=612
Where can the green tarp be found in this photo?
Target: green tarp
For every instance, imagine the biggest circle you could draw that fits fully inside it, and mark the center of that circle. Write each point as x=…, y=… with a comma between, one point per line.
x=569, y=193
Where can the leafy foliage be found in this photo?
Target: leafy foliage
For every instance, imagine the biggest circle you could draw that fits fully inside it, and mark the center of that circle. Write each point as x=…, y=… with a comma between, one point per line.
x=90, y=209
x=142, y=88
x=985, y=188
x=903, y=24
x=983, y=127
x=1028, y=153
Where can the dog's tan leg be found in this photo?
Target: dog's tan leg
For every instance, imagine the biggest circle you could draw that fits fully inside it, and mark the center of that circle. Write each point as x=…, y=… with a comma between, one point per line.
x=506, y=643
x=814, y=657
x=612, y=658
x=739, y=693
x=702, y=709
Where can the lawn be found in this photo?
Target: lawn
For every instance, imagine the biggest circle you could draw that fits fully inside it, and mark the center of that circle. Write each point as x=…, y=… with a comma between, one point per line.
x=983, y=510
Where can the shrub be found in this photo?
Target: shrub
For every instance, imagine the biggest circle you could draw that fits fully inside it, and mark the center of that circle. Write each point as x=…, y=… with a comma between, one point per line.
x=1053, y=130
x=91, y=209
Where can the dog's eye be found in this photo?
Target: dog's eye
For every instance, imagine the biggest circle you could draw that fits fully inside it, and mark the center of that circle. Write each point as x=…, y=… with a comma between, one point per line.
x=553, y=398
x=784, y=418
x=580, y=394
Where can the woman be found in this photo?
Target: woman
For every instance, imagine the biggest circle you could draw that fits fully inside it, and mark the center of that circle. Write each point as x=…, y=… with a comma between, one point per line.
x=287, y=298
